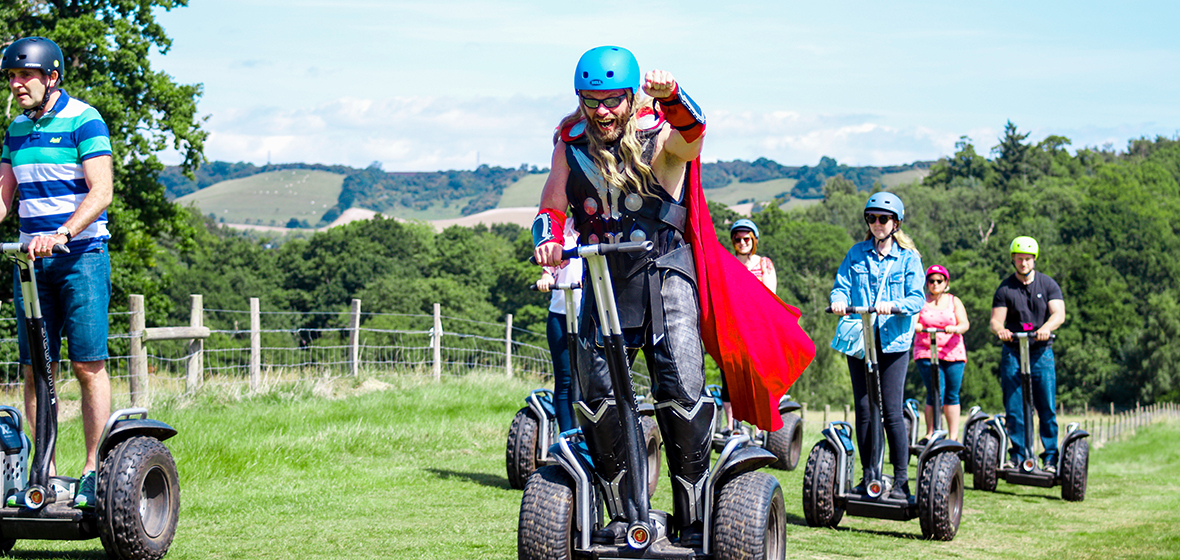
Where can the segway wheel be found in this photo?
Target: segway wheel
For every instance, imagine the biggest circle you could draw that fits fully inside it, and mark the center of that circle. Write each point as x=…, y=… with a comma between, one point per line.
x=546, y=530
x=6, y=546
x=651, y=437
x=940, y=497
x=1075, y=468
x=787, y=442
x=969, y=440
x=137, y=500
x=521, y=454
x=750, y=519
x=819, y=487
x=987, y=460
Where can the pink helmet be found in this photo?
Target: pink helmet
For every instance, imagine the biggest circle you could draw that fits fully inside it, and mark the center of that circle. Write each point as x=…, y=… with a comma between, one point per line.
x=938, y=269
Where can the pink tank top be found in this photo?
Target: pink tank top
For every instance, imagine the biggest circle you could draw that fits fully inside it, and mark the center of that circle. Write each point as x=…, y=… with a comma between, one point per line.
x=950, y=346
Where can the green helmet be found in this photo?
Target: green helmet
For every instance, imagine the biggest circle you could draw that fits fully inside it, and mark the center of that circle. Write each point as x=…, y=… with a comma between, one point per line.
x=1026, y=245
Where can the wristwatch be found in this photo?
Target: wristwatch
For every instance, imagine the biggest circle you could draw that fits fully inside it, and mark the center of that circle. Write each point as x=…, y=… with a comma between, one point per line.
x=63, y=230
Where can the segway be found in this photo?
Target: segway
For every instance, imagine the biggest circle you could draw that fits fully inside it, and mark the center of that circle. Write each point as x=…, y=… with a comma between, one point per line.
x=786, y=443
x=937, y=433
x=563, y=505
x=828, y=491
x=534, y=428
x=137, y=488
x=1073, y=462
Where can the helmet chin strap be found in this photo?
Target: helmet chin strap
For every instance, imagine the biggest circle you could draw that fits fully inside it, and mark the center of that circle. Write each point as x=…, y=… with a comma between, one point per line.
x=878, y=242
x=49, y=89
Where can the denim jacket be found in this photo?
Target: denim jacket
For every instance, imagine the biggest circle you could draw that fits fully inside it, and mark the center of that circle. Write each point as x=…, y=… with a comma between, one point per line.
x=856, y=285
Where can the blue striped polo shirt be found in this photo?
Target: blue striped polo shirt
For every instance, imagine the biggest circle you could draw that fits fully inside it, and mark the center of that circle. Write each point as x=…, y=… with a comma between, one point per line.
x=46, y=157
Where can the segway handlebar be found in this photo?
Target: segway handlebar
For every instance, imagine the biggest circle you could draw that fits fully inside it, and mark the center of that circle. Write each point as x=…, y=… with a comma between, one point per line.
x=603, y=249
x=932, y=330
x=23, y=249
x=860, y=310
x=559, y=286
x=1030, y=335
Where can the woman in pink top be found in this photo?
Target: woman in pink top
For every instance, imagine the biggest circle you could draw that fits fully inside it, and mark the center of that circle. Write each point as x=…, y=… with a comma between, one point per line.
x=942, y=311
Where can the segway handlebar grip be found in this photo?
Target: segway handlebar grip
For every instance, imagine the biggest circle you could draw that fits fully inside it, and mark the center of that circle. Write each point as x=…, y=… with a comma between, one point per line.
x=1030, y=335
x=23, y=248
x=932, y=331
x=603, y=249
x=559, y=286
x=860, y=310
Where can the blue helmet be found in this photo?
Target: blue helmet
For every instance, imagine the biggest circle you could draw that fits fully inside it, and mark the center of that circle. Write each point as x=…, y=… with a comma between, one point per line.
x=887, y=202
x=607, y=68
x=744, y=224
x=36, y=53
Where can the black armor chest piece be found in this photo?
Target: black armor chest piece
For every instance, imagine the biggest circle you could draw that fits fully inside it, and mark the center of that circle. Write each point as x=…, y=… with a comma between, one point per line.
x=604, y=214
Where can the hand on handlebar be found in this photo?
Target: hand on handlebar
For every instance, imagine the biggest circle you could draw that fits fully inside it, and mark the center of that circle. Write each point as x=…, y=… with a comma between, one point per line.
x=884, y=308
x=45, y=245
x=1005, y=335
x=549, y=254
x=1043, y=335
x=545, y=283
x=839, y=308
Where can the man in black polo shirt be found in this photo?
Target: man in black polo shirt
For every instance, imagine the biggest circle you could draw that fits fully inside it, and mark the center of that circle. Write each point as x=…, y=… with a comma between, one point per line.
x=1028, y=301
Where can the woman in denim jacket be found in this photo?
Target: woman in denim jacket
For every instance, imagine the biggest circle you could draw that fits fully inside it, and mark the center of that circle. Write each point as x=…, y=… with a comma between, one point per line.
x=885, y=256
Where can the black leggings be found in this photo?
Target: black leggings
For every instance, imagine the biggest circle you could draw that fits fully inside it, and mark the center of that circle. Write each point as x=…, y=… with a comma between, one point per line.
x=893, y=371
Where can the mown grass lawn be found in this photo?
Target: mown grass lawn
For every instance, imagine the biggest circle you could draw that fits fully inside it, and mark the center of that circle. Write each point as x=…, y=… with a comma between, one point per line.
x=416, y=470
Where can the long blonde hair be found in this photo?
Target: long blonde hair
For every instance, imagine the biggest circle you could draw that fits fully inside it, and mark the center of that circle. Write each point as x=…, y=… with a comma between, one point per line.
x=634, y=177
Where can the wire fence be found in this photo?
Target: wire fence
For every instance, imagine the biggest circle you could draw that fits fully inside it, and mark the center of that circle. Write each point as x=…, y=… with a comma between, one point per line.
x=261, y=349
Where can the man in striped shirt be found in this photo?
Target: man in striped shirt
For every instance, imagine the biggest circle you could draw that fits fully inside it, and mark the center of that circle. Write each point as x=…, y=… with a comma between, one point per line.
x=57, y=155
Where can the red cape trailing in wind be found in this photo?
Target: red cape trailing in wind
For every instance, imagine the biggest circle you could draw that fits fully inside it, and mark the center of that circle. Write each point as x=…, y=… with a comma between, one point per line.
x=749, y=331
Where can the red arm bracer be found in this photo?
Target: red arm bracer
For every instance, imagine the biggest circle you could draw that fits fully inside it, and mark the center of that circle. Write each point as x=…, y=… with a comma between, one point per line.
x=683, y=114
x=549, y=226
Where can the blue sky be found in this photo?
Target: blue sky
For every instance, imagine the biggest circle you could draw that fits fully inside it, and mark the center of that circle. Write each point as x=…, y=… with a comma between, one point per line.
x=442, y=84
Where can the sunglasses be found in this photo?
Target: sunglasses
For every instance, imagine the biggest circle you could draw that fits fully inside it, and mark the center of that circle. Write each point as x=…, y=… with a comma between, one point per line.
x=737, y=240
x=936, y=281
x=878, y=218
x=609, y=103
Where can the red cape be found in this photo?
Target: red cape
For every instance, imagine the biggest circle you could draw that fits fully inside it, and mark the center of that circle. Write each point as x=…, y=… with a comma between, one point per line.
x=752, y=334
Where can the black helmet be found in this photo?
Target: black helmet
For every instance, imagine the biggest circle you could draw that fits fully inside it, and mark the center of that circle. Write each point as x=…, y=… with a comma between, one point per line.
x=35, y=52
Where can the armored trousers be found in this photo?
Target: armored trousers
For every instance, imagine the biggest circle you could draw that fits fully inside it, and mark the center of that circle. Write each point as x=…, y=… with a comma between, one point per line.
x=685, y=414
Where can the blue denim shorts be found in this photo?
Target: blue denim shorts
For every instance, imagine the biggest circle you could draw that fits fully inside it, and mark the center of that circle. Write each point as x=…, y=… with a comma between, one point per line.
x=75, y=294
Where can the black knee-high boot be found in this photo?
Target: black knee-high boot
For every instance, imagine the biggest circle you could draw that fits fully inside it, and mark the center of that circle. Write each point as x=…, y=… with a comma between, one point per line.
x=687, y=429
x=604, y=437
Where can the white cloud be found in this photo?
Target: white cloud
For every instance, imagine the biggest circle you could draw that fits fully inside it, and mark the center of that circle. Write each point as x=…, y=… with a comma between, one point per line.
x=437, y=133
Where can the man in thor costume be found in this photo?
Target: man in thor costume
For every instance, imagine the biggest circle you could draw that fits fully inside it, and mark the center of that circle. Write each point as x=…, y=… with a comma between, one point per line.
x=629, y=170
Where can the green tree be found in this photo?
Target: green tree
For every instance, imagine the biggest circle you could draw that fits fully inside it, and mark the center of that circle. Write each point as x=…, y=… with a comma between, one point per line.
x=106, y=44
x=1015, y=165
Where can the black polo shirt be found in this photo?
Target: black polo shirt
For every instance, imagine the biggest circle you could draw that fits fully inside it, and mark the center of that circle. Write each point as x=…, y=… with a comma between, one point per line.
x=1027, y=304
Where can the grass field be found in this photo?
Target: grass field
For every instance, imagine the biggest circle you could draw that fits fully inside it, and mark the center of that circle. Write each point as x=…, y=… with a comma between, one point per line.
x=895, y=179
x=276, y=196
x=524, y=192
x=736, y=191
x=413, y=469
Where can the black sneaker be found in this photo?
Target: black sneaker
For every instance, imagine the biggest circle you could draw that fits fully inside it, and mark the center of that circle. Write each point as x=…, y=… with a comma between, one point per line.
x=615, y=533
x=859, y=488
x=900, y=491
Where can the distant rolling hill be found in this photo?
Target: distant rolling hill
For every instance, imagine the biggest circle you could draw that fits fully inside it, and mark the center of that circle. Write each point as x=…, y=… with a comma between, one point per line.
x=270, y=199
x=307, y=195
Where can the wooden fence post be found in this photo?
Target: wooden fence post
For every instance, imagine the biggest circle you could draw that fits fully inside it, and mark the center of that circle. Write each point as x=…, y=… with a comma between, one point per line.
x=827, y=412
x=436, y=342
x=354, y=337
x=255, y=345
x=138, y=362
x=845, y=413
x=196, y=347
x=508, y=347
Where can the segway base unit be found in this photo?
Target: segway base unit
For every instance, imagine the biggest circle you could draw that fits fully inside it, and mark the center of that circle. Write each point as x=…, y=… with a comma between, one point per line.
x=137, y=488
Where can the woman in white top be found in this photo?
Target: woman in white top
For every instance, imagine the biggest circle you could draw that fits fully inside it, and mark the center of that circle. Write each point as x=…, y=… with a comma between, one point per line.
x=555, y=331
